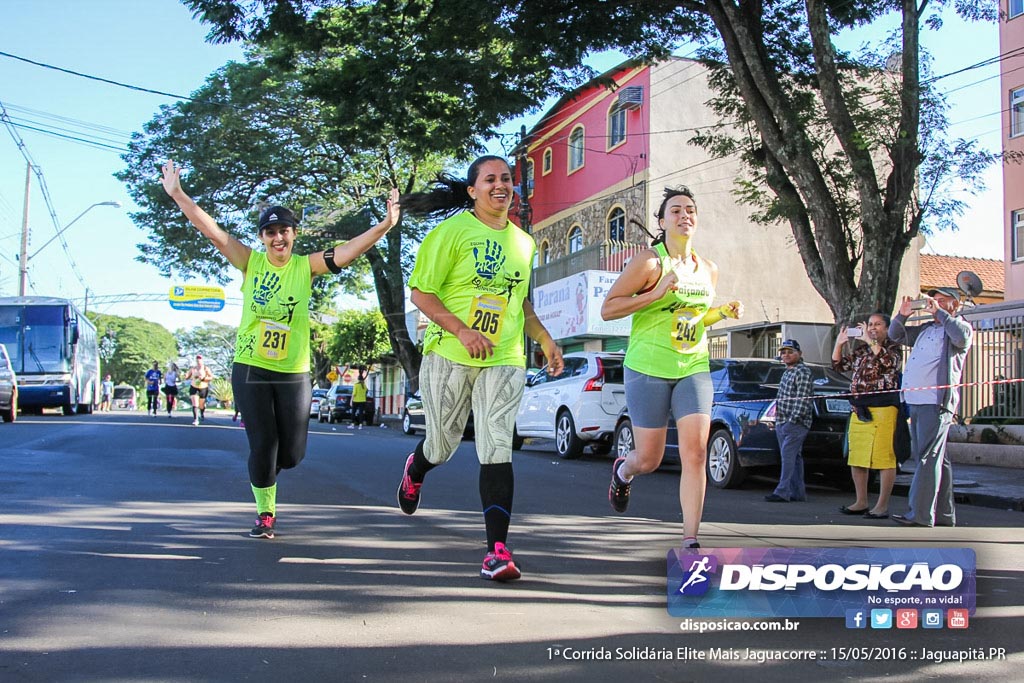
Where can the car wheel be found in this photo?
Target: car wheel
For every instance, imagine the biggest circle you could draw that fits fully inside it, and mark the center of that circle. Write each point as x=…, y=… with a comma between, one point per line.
x=407, y=424
x=517, y=441
x=624, y=441
x=69, y=408
x=723, y=467
x=567, y=443
x=11, y=414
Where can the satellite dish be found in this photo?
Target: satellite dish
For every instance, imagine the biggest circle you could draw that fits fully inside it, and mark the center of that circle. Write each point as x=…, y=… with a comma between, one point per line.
x=894, y=62
x=969, y=283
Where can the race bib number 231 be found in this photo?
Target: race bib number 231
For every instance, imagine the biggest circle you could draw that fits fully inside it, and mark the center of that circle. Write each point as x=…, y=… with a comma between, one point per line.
x=273, y=340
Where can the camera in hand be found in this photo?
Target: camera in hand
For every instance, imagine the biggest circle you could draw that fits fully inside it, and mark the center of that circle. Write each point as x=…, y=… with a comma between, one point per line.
x=854, y=332
x=918, y=304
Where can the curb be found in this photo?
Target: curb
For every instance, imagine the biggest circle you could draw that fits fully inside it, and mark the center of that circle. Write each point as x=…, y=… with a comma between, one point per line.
x=964, y=495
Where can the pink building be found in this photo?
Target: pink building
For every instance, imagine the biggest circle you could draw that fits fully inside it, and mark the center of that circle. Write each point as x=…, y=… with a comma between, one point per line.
x=1011, y=44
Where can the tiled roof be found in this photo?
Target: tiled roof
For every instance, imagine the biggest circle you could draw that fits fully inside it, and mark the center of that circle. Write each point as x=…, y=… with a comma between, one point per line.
x=941, y=271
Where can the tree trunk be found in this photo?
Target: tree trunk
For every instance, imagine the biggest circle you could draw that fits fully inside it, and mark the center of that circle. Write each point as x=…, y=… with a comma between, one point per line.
x=389, y=283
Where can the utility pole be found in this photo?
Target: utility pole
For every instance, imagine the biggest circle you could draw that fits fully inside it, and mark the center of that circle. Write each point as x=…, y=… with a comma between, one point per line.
x=524, y=201
x=23, y=257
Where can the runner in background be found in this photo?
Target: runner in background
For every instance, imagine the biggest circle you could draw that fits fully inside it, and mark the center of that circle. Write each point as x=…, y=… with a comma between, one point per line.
x=200, y=377
x=171, y=388
x=153, y=377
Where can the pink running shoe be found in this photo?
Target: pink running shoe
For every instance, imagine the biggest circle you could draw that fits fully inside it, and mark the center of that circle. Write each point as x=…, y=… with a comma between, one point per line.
x=408, y=491
x=499, y=565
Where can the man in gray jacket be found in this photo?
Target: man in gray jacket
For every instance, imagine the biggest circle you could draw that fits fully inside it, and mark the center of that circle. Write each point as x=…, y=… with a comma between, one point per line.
x=936, y=362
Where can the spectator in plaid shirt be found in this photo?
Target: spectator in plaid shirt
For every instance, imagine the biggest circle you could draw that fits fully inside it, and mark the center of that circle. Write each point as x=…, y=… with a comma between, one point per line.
x=792, y=422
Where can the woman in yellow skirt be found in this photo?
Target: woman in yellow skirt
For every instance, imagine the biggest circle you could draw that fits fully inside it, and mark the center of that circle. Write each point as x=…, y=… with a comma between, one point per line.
x=875, y=362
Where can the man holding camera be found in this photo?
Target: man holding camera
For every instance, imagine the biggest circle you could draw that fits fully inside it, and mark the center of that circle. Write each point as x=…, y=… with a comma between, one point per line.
x=936, y=362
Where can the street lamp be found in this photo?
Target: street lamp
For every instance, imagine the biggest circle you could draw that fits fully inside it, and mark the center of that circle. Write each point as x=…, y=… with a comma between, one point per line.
x=25, y=257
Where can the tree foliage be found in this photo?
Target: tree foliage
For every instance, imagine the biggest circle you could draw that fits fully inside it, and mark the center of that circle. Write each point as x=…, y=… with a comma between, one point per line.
x=214, y=341
x=253, y=136
x=852, y=156
x=128, y=347
x=358, y=338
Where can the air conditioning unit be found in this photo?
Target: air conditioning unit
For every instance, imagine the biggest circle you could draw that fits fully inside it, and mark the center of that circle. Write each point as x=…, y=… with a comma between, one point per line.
x=631, y=97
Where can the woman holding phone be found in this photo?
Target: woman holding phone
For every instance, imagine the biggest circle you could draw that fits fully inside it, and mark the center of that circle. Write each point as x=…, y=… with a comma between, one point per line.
x=874, y=360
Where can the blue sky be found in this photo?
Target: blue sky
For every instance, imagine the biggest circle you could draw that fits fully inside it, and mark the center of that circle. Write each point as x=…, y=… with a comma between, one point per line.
x=157, y=45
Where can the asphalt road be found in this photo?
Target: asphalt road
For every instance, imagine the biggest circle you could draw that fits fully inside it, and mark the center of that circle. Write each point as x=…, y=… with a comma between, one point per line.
x=126, y=557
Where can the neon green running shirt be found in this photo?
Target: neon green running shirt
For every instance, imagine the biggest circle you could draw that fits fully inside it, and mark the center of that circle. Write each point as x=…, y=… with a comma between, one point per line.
x=274, y=331
x=482, y=276
x=668, y=339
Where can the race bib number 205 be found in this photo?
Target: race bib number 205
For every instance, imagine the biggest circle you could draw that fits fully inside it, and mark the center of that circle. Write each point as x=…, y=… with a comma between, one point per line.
x=486, y=316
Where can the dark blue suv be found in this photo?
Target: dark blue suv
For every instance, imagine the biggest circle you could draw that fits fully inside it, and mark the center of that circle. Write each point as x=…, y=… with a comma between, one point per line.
x=742, y=438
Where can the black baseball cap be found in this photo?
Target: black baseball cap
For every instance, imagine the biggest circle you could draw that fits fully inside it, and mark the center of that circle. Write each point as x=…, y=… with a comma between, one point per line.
x=948, y=291
x=278, y=215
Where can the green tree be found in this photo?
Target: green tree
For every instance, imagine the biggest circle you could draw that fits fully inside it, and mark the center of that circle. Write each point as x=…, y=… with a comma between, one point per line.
x=130, y=345
x=358, y=338
x=252, y=137
x=855, y=161
x=214, y=341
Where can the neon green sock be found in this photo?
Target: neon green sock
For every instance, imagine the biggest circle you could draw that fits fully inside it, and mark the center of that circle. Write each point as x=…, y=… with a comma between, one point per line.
x=266, y=499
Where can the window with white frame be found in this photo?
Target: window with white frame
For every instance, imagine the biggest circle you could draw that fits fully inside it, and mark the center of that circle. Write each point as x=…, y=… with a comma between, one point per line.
x=1017, y=111
x=1017, y=234
x=616, y=126
x=575, y=239
x=543, y=253
x=576, y=149
x=1016, y=8
x=529, y=177
x=617, y=225
x=546, y=163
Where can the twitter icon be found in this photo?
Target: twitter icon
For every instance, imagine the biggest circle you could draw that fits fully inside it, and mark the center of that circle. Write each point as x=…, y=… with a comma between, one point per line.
x=881, y=618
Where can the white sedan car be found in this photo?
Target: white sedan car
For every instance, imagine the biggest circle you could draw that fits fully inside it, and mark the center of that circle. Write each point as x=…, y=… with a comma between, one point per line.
x=576, y=408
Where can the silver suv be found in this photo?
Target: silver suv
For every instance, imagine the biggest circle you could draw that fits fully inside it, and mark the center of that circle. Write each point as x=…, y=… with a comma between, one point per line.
x=577, y=408
x=8, y=388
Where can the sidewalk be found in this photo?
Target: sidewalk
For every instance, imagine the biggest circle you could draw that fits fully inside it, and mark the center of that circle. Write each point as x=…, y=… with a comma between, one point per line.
x=988, y=476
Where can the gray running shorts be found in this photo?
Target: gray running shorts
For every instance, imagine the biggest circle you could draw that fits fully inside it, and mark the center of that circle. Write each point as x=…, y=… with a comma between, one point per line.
x=653, y=400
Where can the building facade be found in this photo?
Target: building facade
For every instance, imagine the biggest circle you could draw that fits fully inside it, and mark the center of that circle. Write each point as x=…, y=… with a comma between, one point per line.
x=1011, y=44
x=597, y=164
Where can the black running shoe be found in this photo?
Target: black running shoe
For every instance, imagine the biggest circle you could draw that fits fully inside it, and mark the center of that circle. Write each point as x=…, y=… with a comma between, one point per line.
x=618, y=491
x=408, y=490
x=264, y=526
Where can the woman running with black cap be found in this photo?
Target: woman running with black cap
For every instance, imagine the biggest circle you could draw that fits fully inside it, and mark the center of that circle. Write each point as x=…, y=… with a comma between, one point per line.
x=270, y=377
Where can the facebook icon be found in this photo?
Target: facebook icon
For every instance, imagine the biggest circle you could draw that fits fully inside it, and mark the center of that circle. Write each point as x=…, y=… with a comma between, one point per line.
x=856, y=618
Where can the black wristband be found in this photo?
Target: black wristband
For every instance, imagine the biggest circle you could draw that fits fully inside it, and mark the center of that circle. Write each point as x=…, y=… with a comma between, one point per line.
x=329, y=261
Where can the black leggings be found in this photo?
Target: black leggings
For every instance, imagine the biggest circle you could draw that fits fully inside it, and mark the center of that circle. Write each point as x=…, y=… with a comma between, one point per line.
x=276, y=410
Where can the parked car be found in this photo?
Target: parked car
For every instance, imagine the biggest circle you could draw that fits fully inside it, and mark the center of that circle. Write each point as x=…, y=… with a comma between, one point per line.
x=336, y=405
x=413, y=419
x=8, y=388
x=577, y=408
x=742, y=438
x=314, y=406
x=125, y=397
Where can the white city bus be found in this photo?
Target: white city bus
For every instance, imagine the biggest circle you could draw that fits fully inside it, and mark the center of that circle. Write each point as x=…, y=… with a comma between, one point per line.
x=53, y=349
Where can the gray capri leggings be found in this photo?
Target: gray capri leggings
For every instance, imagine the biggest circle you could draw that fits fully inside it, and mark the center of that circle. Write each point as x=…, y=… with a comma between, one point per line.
x=653, y=400
x=449, y=389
